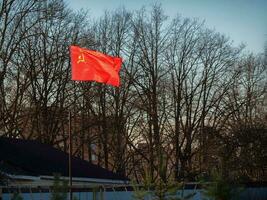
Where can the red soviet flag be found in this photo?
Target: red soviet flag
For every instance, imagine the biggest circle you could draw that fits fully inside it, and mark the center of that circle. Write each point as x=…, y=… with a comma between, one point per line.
x=88, y=65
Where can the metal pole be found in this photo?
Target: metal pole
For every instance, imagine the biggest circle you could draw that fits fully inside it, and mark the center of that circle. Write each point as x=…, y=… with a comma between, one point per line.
x=70, y=154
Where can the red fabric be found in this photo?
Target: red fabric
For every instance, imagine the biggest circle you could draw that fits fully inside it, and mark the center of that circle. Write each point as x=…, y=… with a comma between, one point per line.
x=88, y=65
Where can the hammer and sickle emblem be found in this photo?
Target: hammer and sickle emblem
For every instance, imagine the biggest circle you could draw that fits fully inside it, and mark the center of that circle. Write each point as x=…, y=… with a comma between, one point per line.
x=81, y=58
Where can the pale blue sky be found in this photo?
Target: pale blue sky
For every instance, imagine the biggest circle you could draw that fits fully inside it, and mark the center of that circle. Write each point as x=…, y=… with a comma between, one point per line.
x=242, y=20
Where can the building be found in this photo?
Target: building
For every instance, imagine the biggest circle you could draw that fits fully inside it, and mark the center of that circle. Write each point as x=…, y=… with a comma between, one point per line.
x=30, y=163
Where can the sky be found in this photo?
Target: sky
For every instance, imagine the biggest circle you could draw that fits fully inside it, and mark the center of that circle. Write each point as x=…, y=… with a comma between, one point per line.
x=244, y=21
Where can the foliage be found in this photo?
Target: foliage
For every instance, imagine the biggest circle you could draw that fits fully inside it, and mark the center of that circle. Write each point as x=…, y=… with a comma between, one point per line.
x=16, y=196
x=221, y=189
x=160, y=190
x=59, y=189
x=141, y=191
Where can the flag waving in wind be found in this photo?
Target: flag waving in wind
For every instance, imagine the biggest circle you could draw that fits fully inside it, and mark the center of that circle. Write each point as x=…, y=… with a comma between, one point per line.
x=88, y=65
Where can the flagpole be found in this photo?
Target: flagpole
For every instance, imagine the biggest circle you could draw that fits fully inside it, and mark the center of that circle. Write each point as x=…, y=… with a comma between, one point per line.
x=70, y=155
x=79, y=57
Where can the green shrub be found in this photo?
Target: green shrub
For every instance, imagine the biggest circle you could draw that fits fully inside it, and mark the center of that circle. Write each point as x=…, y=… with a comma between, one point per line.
x=59, y=189
x=221, y=189
x=16, y=196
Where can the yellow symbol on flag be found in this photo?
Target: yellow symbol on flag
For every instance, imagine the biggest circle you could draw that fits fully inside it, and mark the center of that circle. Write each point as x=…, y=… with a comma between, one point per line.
x=81, y=58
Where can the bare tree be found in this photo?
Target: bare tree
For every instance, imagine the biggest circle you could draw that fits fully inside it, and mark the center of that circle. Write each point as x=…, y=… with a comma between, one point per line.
x=149, y=84
x=16, y=20
x=200, y=61
x=46, y=65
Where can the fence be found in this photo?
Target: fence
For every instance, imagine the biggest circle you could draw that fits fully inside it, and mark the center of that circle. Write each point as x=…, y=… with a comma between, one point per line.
x=250, y=192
